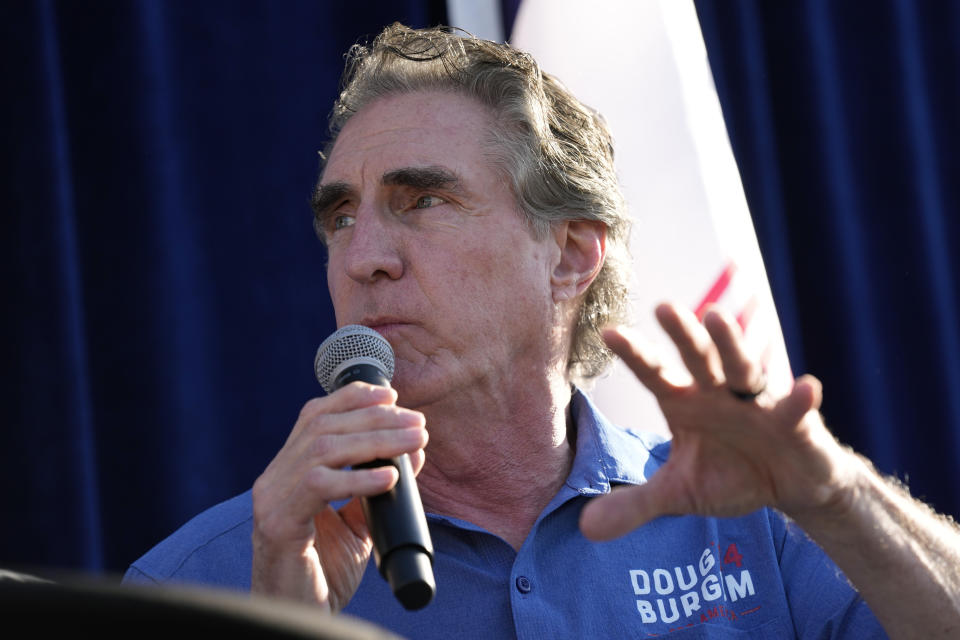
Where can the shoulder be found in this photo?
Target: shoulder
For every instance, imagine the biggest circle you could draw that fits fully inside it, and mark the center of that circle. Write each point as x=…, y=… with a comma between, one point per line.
x=213, y=548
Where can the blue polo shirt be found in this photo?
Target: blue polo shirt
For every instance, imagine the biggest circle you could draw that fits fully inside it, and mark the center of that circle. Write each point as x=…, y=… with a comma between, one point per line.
x=689, y=577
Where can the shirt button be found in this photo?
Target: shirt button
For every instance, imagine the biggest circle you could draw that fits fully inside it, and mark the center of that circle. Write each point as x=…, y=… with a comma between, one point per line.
x=523, y=584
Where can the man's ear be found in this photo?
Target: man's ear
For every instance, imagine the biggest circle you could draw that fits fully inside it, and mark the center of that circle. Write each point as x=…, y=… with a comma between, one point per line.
x=583, y=244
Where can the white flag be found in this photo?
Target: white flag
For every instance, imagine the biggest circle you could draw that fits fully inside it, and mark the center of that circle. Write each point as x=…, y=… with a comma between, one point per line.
x=643, y=65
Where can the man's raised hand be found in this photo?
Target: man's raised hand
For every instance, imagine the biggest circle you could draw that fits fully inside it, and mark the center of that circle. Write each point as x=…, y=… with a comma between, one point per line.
x=734, y=449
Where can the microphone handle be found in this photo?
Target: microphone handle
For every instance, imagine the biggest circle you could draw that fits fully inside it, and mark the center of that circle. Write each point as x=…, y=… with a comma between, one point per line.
x=402, y=546
x=401, y=540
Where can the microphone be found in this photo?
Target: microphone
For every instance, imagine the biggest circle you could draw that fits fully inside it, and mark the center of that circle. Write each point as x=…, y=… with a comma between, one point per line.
x=401, y=541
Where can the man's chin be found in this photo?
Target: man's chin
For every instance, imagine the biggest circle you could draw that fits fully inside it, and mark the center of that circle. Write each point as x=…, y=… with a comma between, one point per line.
x=420, y=388
x=414, y=396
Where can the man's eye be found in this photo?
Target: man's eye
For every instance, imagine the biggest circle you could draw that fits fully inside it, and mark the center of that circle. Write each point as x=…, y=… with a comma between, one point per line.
x=340, y=222
x=425, y=202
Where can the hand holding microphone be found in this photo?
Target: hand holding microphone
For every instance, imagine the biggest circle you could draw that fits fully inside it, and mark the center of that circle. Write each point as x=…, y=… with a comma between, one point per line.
x=401, y=541
x=303, y=548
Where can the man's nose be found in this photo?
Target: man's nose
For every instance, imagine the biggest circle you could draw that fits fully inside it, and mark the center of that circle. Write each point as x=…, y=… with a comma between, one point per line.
x=373, y=252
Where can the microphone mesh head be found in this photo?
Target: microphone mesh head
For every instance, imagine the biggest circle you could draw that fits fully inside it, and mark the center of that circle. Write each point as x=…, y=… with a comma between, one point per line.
x=349, y=345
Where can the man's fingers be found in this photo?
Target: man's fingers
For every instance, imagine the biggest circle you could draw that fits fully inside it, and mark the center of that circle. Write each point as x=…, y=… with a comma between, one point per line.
x=321, y=486
x=340, y=484
x=806, y=395
x=321, y=438
x=417, y=458
x=696, y=348
x=308, y=472
x=292, y=519
x=741, y=373
x=352, y=396
x=355, y=395
x=352, y=515
x=647, y=368
x=338, y=450
x=621, y=511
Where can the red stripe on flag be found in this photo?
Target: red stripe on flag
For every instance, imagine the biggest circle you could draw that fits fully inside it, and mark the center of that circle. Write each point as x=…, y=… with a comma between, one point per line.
x=747, y=314
x=716, y=290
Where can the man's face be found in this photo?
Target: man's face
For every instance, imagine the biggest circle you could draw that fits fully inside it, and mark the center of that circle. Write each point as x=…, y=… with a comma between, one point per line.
x=427, y=246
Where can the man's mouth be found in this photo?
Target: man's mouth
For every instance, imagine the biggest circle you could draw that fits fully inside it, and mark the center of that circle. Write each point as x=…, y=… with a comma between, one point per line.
x=385, y=325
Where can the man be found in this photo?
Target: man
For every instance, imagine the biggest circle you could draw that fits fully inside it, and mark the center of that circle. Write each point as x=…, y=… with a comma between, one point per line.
x=471, y=215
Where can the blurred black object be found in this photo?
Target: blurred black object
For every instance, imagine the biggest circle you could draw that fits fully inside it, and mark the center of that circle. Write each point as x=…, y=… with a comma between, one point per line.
x=81, y=607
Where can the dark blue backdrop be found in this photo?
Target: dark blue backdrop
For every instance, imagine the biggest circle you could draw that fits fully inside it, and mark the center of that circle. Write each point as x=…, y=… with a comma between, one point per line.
x=164, y=292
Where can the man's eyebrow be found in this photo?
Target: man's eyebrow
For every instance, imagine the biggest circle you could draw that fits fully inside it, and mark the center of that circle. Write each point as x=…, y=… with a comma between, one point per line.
x=424, y=178
x=327, y=195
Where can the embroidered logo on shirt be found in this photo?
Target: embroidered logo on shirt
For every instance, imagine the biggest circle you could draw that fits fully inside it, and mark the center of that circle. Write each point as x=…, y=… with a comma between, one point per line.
x=699, y=592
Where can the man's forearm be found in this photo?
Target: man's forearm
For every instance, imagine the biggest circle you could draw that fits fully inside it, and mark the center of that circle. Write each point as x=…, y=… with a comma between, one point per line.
x=903, y=558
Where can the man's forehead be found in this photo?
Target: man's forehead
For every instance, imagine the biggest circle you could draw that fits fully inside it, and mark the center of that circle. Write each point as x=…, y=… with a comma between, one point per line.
x=421, y=123
x=428, y=139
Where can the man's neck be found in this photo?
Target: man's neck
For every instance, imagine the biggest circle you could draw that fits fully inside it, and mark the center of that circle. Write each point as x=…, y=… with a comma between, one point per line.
x=498, y=461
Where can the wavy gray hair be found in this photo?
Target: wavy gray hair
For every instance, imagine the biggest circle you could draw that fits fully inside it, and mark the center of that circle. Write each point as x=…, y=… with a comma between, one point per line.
x=556, y=151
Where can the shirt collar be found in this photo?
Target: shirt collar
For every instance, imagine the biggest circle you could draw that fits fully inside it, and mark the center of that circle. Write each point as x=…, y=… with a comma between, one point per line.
x=607, y=454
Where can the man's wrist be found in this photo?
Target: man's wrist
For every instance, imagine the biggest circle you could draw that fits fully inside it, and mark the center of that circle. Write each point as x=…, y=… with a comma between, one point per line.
x=853, y=477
